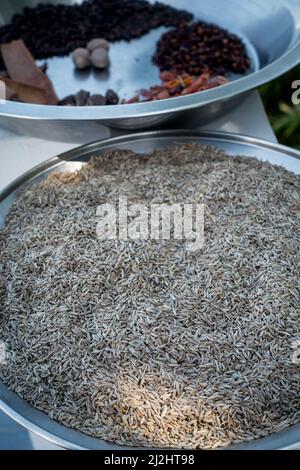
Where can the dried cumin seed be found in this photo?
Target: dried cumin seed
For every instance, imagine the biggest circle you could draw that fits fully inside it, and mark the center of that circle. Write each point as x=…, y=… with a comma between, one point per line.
x=94, y=335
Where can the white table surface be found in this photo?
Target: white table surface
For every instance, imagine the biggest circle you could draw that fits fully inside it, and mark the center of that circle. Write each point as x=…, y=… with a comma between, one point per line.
x=20, y=153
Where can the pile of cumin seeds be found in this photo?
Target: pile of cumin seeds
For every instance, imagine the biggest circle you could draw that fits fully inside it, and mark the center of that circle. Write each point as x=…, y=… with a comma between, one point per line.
x=143, y=342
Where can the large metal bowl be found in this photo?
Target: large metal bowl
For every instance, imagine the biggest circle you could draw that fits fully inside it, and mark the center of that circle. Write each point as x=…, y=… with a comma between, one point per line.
x=233, y=144
x=271, y=32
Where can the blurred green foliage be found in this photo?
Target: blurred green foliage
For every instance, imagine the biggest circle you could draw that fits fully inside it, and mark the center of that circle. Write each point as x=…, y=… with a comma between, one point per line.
x=283, y=114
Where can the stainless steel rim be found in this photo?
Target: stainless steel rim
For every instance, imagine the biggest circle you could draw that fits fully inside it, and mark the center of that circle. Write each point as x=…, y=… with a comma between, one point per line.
x=98, y=145
x=38, y=422
x=151, y=109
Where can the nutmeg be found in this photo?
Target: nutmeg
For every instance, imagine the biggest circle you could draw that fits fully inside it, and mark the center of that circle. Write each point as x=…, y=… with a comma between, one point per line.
x=99, y=58
x=81, y=58
x=97, y=43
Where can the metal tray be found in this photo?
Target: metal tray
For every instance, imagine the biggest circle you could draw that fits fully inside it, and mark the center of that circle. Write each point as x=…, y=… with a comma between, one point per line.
x=233, y=144
x=270, y=30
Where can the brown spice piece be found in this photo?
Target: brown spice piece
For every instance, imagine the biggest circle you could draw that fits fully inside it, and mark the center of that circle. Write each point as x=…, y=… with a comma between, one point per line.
x=96, y=100
x=22, y=68
x=81, y=97
x=111, y=97
x=22, y=92
x=84, y=98
x=10, y=95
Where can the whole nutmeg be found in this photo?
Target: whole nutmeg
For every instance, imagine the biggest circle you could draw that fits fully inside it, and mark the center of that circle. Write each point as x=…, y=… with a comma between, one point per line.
x=99, y=58
x=81, y=58
x=97, y=43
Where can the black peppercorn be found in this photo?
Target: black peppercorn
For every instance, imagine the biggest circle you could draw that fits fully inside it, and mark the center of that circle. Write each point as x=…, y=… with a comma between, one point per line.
x=56, y=30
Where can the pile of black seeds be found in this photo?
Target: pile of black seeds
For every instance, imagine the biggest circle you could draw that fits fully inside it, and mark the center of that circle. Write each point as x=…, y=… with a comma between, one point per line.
x=56, y=30
x=193, y=47
x=85, y=98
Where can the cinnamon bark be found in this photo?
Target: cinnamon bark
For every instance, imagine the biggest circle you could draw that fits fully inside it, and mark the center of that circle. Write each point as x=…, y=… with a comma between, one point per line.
x=22, y=68
x=25, y=93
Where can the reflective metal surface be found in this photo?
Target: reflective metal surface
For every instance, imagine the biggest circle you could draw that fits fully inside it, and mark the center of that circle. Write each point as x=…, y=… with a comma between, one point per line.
x=270, y=29
x=40, y=423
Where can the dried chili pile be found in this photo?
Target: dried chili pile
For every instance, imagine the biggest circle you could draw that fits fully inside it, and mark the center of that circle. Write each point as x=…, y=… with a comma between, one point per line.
x=178, y=85
x=55, y=30
x=192, y=47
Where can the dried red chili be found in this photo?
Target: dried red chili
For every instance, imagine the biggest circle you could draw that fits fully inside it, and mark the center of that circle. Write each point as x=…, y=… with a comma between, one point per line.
x=178, y=85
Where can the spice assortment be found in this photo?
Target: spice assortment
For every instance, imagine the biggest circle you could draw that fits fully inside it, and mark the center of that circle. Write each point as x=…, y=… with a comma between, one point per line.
x=50, y=30
x=178, y=85
x=143, y=342
x=198, y=55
